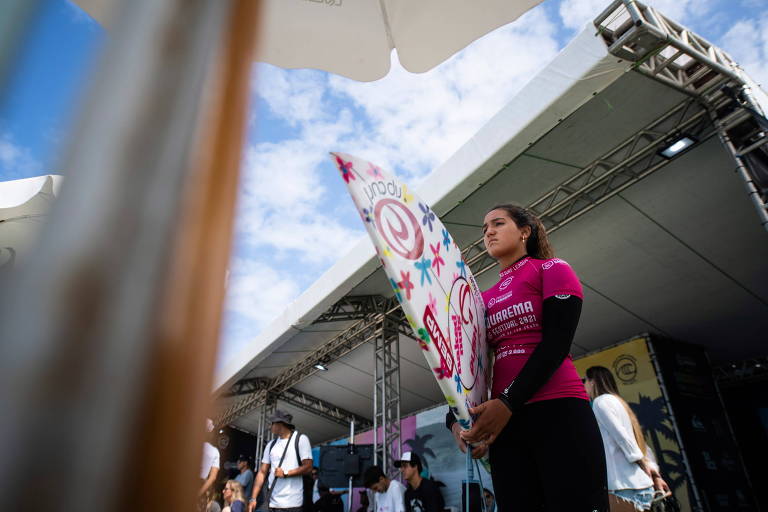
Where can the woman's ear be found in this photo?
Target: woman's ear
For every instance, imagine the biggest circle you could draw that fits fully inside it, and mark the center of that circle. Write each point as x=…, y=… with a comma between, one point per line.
x=526, y=232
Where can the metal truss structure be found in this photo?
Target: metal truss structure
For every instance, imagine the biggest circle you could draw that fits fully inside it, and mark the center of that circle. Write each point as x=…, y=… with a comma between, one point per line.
x=363, y=331
x=247, y=386
x=664, y=49
x=621, y=167
x=301, y=400
x=386, y=396
x=353, y=307
x=719, y=102
x=668, y=52
x=322, y=408
x=263, y=432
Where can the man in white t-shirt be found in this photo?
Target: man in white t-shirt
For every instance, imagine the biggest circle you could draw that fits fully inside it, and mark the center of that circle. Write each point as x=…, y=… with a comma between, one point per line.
x=284, y=478
x=209, y=469
x=390, y=494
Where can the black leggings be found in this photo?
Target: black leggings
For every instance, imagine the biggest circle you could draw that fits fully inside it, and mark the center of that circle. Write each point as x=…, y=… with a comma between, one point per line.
x=550, y=457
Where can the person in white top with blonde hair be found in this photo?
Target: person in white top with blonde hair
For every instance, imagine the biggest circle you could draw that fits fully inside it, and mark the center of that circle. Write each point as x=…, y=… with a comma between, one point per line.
x=633, y=479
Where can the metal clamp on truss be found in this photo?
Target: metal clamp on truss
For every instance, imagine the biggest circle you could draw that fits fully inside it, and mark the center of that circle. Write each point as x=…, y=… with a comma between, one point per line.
x=663, y=49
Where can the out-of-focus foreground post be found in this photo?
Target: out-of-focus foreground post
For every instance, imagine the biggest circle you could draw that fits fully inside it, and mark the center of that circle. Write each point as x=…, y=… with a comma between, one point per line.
x=108, y=334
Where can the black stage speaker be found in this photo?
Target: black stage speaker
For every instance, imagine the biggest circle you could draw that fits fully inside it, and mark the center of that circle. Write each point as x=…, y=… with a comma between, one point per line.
x=338, y=463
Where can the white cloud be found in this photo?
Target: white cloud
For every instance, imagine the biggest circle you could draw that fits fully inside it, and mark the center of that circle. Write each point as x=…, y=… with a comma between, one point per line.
x=296, y=96
x=419, y=120
x=284, y=201
x=248, y=284
x=16, y=161
x=747, y=43
x=256, y=294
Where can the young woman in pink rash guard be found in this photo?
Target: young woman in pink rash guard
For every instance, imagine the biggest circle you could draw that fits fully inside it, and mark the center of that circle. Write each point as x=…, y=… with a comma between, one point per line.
x=546, y=451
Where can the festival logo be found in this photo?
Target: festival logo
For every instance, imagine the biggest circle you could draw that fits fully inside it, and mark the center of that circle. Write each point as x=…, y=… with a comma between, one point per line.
x=399, y=228
x=625, y=368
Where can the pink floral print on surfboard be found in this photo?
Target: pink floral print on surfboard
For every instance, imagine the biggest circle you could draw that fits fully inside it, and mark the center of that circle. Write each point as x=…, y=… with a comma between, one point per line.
x=430, y=279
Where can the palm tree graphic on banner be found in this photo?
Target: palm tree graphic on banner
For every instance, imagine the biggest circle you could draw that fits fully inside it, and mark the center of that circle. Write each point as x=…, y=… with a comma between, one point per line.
x=418, y=445
x=653, y=416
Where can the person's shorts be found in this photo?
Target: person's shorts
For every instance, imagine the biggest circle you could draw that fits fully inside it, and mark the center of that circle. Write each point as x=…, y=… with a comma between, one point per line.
x=640, y=498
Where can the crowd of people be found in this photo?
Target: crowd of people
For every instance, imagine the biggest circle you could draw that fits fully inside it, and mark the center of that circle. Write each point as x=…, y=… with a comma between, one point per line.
x=554, y=441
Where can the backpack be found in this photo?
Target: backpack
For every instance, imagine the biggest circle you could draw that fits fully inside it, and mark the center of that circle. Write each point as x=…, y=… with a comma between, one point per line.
x=306, y=480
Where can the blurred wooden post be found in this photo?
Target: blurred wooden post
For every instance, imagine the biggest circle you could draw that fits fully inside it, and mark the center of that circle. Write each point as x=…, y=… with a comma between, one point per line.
x=108, y=335
x=189, y=329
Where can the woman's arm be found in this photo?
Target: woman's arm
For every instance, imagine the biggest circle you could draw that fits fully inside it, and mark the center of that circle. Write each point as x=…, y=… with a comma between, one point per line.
x=560, y=317
x=611, y=418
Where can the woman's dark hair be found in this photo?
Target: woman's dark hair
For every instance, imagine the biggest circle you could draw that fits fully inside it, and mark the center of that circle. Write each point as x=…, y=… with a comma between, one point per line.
x=604, y=383
x=537, y=245
x=603, y=380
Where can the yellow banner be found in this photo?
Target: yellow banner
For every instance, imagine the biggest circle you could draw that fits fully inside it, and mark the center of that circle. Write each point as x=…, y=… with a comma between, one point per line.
x=631, y=365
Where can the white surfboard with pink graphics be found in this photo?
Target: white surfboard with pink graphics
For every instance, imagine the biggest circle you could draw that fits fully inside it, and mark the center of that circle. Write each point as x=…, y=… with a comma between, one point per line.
x=434, y=285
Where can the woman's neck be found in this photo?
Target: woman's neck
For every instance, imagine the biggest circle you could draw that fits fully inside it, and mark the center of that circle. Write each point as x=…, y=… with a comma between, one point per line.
x=508, y=261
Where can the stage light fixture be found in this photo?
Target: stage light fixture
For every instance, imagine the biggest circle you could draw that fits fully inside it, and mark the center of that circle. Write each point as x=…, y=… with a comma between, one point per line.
x=677, y=145
x=320, y=366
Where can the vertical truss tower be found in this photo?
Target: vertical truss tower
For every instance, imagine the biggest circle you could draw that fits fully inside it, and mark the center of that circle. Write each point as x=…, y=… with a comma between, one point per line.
x=386, y=397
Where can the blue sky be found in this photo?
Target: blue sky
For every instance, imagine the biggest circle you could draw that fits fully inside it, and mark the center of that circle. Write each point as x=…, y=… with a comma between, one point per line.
x=289, y=233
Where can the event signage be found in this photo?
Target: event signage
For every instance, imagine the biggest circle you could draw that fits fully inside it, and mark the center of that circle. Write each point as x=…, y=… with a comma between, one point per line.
x=430, y=279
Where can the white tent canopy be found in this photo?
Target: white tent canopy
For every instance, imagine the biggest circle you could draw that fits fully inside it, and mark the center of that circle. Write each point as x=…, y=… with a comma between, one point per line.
x=24, y=204
x=356, y=38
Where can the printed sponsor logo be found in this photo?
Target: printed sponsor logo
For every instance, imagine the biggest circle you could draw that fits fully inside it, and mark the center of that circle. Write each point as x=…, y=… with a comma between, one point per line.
x=505, y=284
x=551, y=263
x=399, y=228
x=500, y=299
x=441, y=342
x=625, y=368
x=511, y=352
x=516, y=266
x=519, y=264
x=382, y=189
x=562, y=296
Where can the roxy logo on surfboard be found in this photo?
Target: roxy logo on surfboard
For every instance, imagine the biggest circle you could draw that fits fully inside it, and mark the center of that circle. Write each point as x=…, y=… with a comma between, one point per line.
x=381, y=189
x=399, y=228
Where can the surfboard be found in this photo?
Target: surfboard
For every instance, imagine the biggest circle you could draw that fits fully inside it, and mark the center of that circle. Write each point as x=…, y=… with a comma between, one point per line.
x=434, y=285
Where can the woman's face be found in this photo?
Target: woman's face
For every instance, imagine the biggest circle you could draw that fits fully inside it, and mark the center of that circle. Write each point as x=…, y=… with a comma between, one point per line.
x=590, y=387
x=501, y=235
x=227, y=493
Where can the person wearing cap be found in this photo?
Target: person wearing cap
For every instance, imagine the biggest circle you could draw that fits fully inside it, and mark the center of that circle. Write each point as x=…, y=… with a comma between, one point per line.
x=390, y=494
x=209, y=469
x=285, y=462
x=422, y=494
x=246, y=474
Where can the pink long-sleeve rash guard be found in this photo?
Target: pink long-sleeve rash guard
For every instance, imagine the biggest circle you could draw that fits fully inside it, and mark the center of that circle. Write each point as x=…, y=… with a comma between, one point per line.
x=513, y=321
